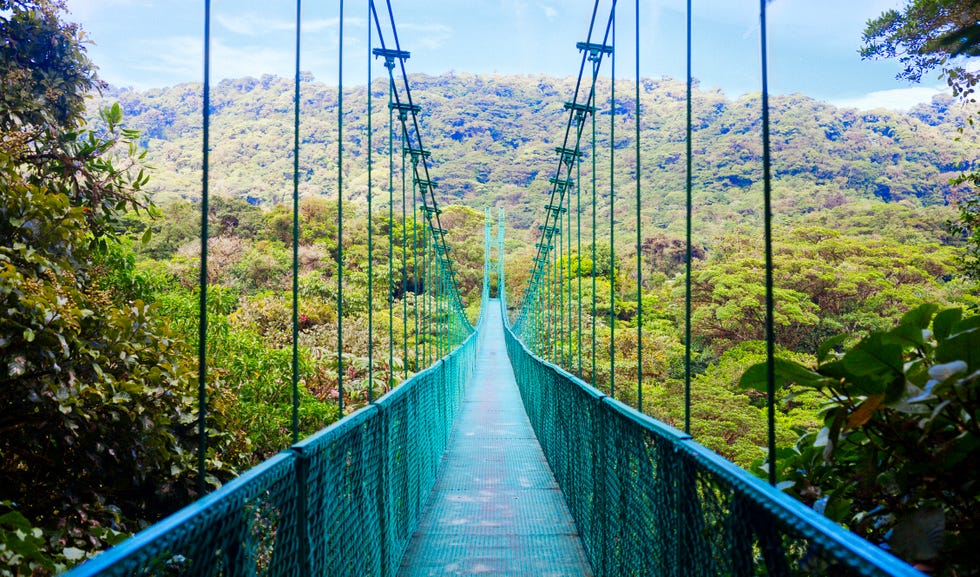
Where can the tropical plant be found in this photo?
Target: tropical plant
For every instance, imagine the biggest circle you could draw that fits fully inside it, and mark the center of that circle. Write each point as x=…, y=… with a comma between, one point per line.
x=95, y=409
x=895, y=460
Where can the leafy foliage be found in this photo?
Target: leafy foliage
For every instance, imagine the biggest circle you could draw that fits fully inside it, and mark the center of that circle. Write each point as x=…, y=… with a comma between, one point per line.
x=94, y=407
x=491, y=139
x=895, y=458
x=929, y=34
x=944, y=34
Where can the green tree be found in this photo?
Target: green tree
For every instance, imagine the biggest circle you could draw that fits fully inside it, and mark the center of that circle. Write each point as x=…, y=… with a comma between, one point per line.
x=95, y=406
x=895, y=459
x=926, y=35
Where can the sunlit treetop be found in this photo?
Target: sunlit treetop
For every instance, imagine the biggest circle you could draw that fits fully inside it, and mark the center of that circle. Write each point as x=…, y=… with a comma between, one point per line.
x=927, y=35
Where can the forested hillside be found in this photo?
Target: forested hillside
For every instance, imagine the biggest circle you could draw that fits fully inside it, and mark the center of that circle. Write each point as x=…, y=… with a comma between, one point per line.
x=861, y=203
x=100, y=262
x=493, y=140
x=112, y=416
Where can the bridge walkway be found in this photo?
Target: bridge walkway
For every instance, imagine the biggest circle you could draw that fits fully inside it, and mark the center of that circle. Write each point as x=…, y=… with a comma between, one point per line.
x=496, y=508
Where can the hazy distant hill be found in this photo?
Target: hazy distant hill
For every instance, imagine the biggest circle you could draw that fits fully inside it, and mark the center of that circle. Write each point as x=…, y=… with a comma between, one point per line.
x=493, y=140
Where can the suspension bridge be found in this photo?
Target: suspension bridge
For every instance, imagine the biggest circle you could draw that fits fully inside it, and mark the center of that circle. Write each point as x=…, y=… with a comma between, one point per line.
x=495, y=457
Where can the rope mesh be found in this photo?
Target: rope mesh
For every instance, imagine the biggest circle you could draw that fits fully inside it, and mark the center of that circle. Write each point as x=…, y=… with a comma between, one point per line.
x=342, y=502
x=648, y=500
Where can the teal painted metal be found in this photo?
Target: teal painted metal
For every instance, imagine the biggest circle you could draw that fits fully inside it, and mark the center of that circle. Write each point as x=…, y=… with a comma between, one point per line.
x=495, y=509
x=202, y=327
x=648, y=500
x=342, y=502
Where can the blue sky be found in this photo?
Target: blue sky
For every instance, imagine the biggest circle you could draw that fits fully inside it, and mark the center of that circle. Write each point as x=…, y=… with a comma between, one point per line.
x=813, y=43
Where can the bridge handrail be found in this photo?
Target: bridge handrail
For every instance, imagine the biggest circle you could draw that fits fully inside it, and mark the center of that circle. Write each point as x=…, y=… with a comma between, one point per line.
x=344, y=501
x=648, y=498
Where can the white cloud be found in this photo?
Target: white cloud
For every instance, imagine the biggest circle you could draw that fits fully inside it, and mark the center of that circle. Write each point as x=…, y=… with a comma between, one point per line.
x=426, y=36
x=86, y=9
x=183, y=59
x=895, y=99
x=176, y=57
x=252, y=24
x=550, y=13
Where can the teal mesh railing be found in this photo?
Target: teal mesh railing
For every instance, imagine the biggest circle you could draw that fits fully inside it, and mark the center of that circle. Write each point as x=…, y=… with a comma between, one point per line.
x=648, y=500
x=345, y=501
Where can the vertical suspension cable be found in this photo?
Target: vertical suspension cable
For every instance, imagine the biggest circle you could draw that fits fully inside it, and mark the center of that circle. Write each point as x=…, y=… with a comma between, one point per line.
x=688, y=256
x=612, y=214
x=550, y=339
x=404, y=265
x=370, y=221
x=428, y=299
x=295, y=311
x=578, y=240
x=202, y=327
x=391, y=232
x=425, y=300
x=415, y=273
x=570, y=189
x=559, y=273
x=594, y=263
x=767, y=235
x=639, y=232
x=444, y=291
x=340, y=215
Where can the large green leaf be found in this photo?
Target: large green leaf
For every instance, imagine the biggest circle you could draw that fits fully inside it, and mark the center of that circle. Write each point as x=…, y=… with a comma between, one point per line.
x=874, y=356
x=919, y=534
x=785, y=371
x=964, y=346
x=905, y=335
x=942, y=325
x=920, y=316
x=825, y=348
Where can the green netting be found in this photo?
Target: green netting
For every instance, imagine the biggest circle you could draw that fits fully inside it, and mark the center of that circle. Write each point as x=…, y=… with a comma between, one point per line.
x=648, y=500
x=342, y=502
x=249, y=527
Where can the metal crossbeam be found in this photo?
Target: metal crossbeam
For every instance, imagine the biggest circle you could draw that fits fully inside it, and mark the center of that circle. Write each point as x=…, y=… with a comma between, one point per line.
x=595, y=50
x=556, y=209
x=390, y=56
x=424, y=184
x=404, y=109
x=568, y=155
x=416, y=153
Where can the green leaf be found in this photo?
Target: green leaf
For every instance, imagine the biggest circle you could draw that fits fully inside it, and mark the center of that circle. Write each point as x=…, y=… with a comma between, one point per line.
x=115, y=113
x=756, y=376
x=895, y=389
x=826, y=347
x=920, y=316
x=919, y=535
x=871, y=355
x=905, y=335
x=16, y=520
x=942, y=325
x=967, y=324
x=963, y=346
x=147, y=235
x=837, y=508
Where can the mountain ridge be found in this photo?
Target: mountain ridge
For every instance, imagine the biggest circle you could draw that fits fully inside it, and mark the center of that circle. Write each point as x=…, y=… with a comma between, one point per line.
x=493, y=139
